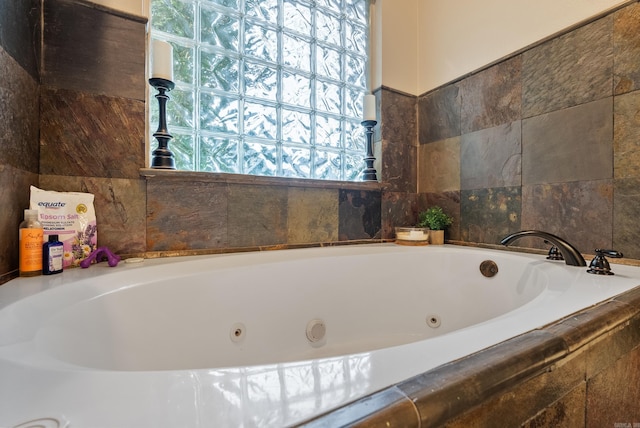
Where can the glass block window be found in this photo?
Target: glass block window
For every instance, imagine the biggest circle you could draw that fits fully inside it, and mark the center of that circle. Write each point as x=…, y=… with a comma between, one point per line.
x=266, y=87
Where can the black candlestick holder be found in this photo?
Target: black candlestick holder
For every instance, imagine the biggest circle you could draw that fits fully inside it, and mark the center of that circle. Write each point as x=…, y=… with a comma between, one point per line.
x=162, y=156
x=369, y=174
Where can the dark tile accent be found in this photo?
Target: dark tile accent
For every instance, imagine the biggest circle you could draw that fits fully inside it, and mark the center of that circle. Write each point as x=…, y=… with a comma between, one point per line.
x=488, y=215
x=92, y=50
x=566, y=412
x=492, y=97
x=439, y=114
x=569, y=145
x=101, y=136
x=560, y=392
x=399, y=135
x=626, y=135
x=602, y=355
x=439, y=166
x=626, y=49
x=257, y=215
x=569, y=70
x=612, y=395
x=586, y=326
x=449, y=390
x=398, y=209
x=19, y=118
x=20, y=33
x=14, y=199
x=580, y=212
x=626, y=211
x=360, y=216
x=450, y=204
x=119, y=205
x=374, y=410
x=312, y=215
x=193, y=215
x=491, y=157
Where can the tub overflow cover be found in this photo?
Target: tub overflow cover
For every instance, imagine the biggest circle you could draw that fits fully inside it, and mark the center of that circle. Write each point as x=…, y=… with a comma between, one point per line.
x=488, y=268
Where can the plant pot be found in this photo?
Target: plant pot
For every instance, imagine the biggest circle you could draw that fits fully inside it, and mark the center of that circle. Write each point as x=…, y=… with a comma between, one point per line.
x=436, y=237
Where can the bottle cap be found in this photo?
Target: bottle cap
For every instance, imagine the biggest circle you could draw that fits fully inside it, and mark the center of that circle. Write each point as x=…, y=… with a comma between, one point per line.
x=30, y=213
x=53, y=238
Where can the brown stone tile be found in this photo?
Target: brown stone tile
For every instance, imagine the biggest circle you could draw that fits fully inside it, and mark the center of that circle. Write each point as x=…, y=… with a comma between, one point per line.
x=398, y=209
x=582, y=328
x=360, y=216
x=101, y=136
x=14, y=199
x=19, y=119
x=626, y=211
x=613, y=395
x=491, y=157
x=631, y=298
x=312, y=215
x=569, y=145
x=603, y=354
x=580, y=212
x=89, y=49
x=567, y=412
x=626, y=135
x=553, y=398
x=186, y=215
x=257, y=215
x=488, y=215
x=569, y=70
x=387, y=408
x=492, y=97
x=449, y=390
x=119, y=205
x=439, y=166
x=439, y=114
x=20, y=34
x=626, y=49
x=450, y=204
x=398, y=134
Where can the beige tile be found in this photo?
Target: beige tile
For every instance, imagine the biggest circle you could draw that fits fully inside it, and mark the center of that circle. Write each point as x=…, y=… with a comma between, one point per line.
x=312, y=215
x=439, y=166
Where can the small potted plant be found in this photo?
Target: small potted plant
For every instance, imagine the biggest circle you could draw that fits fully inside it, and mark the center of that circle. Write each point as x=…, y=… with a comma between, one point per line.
x=436, y=220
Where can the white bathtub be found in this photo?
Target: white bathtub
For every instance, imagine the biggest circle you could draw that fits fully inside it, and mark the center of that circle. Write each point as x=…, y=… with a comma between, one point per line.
x=264, y=339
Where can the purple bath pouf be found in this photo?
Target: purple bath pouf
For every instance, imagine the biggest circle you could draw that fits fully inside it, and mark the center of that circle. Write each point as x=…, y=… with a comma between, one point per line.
x=98, y=255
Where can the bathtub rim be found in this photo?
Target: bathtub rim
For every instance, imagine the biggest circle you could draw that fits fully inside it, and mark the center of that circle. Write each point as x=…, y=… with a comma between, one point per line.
x=561, y=350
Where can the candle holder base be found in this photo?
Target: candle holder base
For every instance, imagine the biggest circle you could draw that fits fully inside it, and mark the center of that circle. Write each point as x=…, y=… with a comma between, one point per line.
x=162, y=157
x=369, y=173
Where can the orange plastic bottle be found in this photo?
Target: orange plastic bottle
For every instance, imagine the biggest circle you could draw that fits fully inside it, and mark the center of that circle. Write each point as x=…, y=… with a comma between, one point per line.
x=31, y=237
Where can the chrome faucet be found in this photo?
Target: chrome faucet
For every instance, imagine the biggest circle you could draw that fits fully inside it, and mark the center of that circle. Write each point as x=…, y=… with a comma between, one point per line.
x=571, y=255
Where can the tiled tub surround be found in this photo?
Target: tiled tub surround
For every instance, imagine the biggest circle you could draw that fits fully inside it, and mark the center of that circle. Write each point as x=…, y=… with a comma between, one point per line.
x=545, y=139
x=270, y=375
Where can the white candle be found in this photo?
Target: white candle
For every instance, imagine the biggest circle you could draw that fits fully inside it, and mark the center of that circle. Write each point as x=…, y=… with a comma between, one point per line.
x=369, y=107
x=162, y=64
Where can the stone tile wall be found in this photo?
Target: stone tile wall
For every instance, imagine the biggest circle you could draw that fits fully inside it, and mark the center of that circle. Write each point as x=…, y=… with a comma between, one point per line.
x=77, y=123
x=19, y=122
x=546, y=139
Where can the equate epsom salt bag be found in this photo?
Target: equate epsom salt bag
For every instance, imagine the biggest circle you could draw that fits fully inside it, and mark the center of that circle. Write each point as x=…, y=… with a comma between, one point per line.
x=71, y=216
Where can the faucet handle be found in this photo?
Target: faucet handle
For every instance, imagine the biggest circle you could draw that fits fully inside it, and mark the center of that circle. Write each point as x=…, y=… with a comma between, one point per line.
x=599, y=265
x=554, y=252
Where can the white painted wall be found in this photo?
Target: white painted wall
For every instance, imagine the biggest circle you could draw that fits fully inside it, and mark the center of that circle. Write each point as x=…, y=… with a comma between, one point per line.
x=422, y=44
x=459, y=36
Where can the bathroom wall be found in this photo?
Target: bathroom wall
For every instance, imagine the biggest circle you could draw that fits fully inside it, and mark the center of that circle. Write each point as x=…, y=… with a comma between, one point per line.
x=546, y=139
x=83, y=129
x=19, y=122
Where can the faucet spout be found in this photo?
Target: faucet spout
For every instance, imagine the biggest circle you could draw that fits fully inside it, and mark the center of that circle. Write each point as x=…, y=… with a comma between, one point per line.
x=571, y=255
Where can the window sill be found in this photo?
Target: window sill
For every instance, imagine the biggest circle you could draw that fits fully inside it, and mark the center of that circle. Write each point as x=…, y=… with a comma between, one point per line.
x=216, y=177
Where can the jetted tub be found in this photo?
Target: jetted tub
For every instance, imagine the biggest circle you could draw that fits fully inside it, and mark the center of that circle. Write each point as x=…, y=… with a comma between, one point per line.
x=267, y=338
